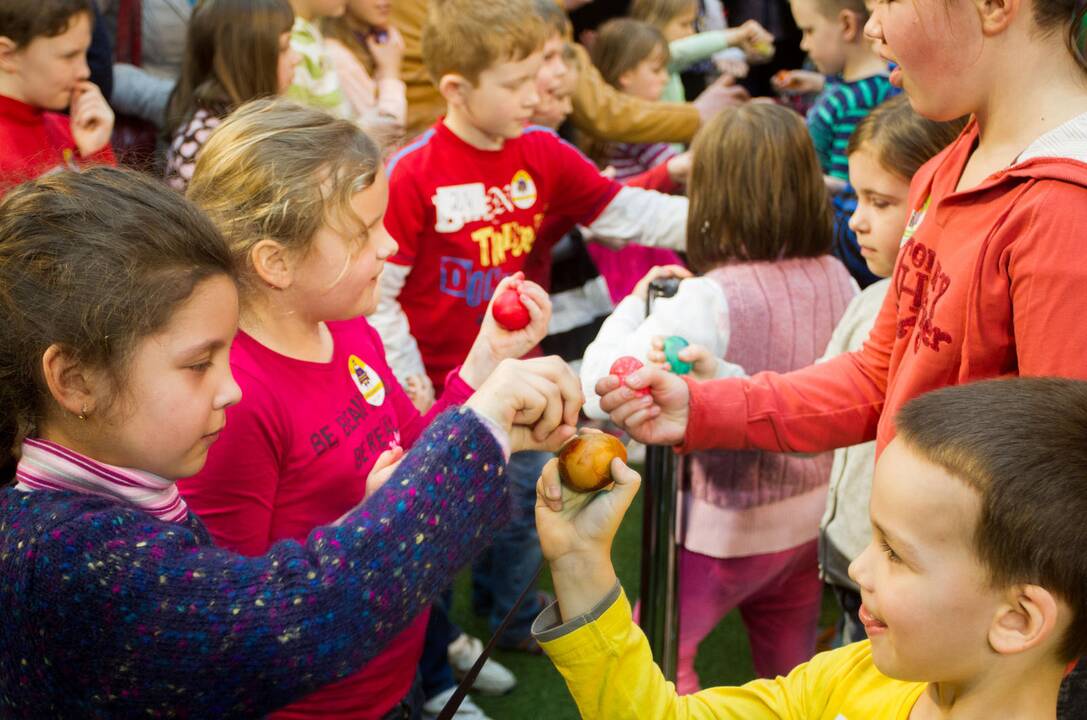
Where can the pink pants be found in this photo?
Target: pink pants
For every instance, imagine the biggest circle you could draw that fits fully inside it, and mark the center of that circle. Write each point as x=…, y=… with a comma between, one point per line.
x=779, y=596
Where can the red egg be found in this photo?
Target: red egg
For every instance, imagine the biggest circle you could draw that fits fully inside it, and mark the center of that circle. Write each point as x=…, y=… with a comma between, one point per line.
x=625, y=366
x=509, y=311
x=585, y=461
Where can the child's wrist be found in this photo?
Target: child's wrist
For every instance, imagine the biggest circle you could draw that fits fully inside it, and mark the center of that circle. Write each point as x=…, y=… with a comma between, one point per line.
x=581, y=580
x=478, y=366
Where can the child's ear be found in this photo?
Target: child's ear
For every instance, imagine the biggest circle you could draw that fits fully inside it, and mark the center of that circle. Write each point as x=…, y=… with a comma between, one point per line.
x=454, y=88
x=996, y=15
x=1027, y=618
x=625, y=80
x=8, y=50
x=75, y=389
x=852, y=26
x=272, y=264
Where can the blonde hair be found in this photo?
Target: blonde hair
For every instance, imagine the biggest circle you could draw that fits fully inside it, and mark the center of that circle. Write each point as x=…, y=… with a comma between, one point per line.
x=279, y=171
x=901, y=139
x=659, y=13
x=756, y=189
x=465, y=37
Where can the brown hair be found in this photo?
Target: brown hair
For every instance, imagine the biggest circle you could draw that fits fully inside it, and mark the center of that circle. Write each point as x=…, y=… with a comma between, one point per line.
x=831, y=8
x=659, y=13
x=901, y=139
x=23, y=20
x=1021, y=443
x=231, y=57
x=465, y=37
x=1052, y=15
x=756, y=189
x=277, y=170
x=622, y=43
x=351, y=33
x=92, y=262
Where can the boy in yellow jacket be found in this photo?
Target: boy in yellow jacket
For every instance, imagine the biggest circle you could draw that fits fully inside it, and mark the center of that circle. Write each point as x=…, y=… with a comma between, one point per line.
x=973, y=587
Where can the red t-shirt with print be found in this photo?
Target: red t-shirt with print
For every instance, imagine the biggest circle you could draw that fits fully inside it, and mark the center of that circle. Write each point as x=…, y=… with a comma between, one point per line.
x=465, y=218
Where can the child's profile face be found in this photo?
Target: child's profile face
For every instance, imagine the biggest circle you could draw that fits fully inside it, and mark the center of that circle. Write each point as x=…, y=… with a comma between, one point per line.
x=46, y=70
x=337, y=278
x=682, y=25
x=177, y=386
x=553, y=69
x=553, y=108
x=928, y=605
x=937, y=47
x=882, y=210
x=647, y=79
x=502, y=101
x=822, y=36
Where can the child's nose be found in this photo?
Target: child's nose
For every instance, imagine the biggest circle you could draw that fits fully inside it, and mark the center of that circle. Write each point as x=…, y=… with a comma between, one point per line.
x=858, y=569
x=230, y=393
x=856, y=222
x=387, y=245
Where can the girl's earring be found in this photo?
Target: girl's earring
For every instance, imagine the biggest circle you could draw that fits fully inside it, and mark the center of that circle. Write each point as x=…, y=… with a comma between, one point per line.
x=82, y=413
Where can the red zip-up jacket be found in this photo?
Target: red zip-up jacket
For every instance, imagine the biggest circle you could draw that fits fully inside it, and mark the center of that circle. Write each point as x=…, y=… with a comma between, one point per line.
x=34, y=142
x=990, y=281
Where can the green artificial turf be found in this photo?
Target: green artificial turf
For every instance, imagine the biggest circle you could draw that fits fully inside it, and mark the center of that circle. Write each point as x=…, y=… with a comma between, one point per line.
x=724, y=657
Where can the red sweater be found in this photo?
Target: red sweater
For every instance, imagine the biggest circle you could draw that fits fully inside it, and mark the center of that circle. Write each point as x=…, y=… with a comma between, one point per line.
x=992, y=282
x=294, y=455
x=34, y=142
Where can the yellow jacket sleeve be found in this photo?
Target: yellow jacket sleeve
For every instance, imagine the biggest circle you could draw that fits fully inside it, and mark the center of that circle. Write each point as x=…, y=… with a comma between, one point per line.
x=607, y=114
x=610, y=672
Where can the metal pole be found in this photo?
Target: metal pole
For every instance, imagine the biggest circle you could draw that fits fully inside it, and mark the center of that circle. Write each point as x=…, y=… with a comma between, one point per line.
x=659, y=616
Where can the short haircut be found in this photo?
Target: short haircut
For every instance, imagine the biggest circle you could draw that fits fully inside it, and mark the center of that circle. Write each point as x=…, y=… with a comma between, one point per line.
x=902, y=140
x=21, y=21
x=1021, y=443
x=831, y=8
x=756, y=189
x=551, y=12
x=465, y=37
x=279, y=171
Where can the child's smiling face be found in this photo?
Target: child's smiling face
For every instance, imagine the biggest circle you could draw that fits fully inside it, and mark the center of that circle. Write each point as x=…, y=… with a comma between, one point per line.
x=928, y=603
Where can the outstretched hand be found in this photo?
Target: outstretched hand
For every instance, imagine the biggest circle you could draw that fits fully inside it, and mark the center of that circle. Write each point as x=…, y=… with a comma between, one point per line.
x=659, y=418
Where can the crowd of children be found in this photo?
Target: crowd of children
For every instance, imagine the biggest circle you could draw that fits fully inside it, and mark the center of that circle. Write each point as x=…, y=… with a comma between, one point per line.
x=258, y=411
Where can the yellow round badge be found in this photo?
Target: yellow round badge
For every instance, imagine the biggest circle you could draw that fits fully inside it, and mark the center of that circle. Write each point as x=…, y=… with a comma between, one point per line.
x=367, y=381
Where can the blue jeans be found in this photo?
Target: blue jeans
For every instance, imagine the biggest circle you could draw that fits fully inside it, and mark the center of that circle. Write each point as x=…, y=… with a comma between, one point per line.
x=502, y=570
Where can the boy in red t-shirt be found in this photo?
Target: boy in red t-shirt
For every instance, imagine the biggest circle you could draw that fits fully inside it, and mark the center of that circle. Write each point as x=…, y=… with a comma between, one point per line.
x=43, y=70
x=467, y=199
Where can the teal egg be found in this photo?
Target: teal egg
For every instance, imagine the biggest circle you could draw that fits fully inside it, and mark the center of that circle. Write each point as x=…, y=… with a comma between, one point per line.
x=672, y=346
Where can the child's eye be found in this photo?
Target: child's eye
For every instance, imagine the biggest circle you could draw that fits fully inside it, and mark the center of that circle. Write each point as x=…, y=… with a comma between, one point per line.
x=881, y=204
x=889, y=551
x=201, y=367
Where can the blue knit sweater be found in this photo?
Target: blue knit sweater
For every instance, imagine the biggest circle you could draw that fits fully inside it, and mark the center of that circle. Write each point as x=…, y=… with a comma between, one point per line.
x=106, y=611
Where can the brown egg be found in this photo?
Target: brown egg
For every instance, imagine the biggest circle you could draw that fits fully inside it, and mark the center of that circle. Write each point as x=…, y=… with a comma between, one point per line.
x=585, y=461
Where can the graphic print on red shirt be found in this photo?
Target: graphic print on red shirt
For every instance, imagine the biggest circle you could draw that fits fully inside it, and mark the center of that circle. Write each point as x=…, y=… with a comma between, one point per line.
x=465, y=218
